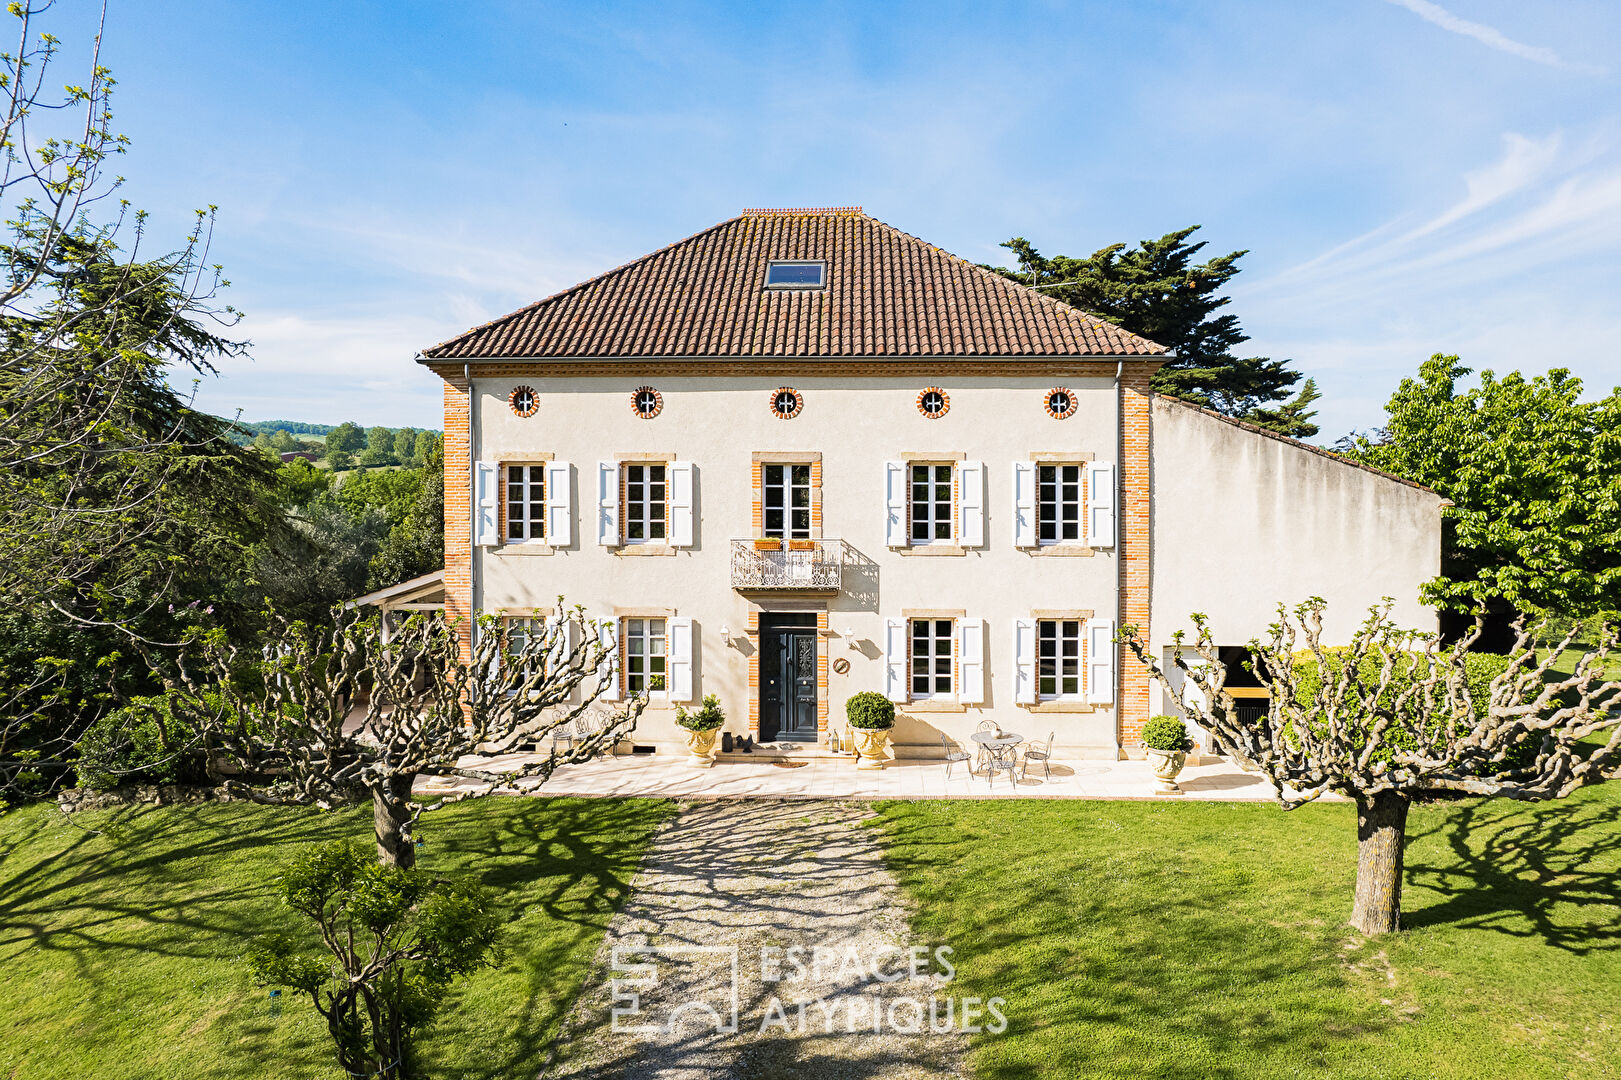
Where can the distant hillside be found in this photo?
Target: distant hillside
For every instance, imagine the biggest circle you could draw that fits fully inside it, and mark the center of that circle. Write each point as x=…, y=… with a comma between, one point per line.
x=247, y=430
x=292, y=427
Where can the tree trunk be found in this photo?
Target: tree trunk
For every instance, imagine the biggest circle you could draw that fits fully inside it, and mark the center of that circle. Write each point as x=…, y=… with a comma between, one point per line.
x=391, y=813
x=1381, y=832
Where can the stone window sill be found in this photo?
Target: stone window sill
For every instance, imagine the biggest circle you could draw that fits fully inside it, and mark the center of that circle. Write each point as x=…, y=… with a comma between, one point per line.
x=525, y=549
x=1084, y=551
x=1059, y=707
x=645, y=549
x=932, y=707
x=931, y=549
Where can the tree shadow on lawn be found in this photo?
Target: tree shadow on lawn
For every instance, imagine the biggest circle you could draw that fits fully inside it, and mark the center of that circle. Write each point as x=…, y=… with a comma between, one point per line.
x=1546, y=870
x=1146, y=963
x=571, y=861
x=196, y=884
x=139, y=867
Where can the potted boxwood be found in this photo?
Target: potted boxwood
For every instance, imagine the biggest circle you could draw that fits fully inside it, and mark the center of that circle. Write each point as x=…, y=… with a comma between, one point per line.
x=1167, y=742
x=871, y=715
x=703, y=728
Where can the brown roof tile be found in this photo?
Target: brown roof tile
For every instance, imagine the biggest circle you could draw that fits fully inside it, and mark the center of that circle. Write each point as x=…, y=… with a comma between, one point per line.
x=888, y=294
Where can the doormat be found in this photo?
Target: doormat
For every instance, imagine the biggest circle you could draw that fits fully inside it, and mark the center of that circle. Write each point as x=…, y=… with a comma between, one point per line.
x=789, y=764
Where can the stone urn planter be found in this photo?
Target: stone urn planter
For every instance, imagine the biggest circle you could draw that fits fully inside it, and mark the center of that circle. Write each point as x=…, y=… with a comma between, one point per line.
x=701, y=748
x=871, y=717
x=703, y=731
x=1166, y=765
x=1166, y=743
x=872, y=748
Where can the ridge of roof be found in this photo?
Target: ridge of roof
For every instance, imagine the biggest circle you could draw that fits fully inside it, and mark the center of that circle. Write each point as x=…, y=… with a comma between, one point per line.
x=926, y=309
x=1302, y=444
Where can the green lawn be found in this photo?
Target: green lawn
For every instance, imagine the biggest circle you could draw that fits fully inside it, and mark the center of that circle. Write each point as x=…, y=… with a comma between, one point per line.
x=1201, y=940
x=118, y=947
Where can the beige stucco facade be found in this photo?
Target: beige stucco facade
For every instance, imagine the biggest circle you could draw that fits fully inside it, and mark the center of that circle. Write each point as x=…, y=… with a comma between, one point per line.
x=853, y=426
x=1244, y=522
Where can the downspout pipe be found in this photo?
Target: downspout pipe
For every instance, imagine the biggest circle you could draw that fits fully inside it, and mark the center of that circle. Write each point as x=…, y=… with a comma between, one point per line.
x=472, y=504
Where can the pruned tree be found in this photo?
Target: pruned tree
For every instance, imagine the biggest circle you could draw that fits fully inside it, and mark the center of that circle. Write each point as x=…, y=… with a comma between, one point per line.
x=353, y=710
x=393, y=942
x=1393, y=717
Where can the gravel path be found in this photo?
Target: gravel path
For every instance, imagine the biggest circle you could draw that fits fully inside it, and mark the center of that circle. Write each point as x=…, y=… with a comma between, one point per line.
x=765, y=877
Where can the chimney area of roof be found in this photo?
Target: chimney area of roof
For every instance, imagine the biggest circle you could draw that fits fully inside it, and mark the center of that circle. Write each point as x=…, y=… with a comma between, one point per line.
x=800, y=210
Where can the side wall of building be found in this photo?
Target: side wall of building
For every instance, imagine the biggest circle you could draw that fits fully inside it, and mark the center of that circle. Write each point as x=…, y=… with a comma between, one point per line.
x=1244, y=522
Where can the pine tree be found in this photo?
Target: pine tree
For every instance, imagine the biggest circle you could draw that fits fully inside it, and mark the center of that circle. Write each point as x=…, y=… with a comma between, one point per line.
x=1157, y=291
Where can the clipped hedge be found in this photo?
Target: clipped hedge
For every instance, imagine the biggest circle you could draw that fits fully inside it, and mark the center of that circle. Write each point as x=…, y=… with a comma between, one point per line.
x=1166, y=733
x=870, y=711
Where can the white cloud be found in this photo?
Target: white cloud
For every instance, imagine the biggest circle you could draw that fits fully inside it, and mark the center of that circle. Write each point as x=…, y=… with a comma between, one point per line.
x=1490, y=36
x=326, y=370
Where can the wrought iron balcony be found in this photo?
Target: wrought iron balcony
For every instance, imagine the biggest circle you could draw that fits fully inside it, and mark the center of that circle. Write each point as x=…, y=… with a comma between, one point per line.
x=806, y=565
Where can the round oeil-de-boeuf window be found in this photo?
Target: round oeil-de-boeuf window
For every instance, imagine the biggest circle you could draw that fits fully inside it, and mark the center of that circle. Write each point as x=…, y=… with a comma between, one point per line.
x=646, y=402
x=524, y=400
x=1061, y=403
x=786, y=402
x=933, y=402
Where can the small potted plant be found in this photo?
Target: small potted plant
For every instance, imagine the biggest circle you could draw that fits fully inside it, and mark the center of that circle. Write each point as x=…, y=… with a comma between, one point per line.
x=768, y=543
x=1167, y=742
x=871, y=715
x=703, y=728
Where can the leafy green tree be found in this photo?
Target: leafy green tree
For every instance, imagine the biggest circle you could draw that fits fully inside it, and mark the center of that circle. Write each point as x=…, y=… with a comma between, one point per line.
x=380, y=442
x=347, y=437
x=1534, y=476
x=389, y=945
x=415, y=544
x=1156, y=290
x=405, y=442
x=427, y=443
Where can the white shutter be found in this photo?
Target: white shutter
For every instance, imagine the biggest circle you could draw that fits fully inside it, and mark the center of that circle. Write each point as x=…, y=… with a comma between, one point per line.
x=557, y=643
x=971, y=661
x=680, y=659
x=681, y=505
x=895, y=660
x=609, y=636
x=1100, y=650
x=1024, y=661
x=559, y=505
x=1024, y=504
x=895, y=503
x=608, y=503
x=1100, y=504
x=971, y=503
x=487, y=520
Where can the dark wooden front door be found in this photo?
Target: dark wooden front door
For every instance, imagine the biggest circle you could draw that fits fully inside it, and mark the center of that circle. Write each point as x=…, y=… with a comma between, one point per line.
x=788, y=648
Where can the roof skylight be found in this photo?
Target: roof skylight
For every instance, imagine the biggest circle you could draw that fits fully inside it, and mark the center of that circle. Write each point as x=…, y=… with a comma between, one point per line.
x=796, y=274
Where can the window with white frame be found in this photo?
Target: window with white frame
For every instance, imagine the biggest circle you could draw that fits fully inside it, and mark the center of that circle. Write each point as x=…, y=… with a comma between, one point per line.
x=644, y=646
x=1060, y=504
x=1058, y=659
x=785, y=501
x=646, y=503
x=933, y=658
x=526, y=503
x=932, y=502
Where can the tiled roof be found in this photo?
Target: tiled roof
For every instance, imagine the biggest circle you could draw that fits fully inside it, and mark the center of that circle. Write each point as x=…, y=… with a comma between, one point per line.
x=887, y=294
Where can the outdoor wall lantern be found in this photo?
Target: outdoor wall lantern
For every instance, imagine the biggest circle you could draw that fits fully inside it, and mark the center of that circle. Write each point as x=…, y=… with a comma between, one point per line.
x=725, y=635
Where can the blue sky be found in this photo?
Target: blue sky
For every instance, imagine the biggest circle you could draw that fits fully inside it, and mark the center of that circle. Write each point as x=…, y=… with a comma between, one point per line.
x=1410, y=177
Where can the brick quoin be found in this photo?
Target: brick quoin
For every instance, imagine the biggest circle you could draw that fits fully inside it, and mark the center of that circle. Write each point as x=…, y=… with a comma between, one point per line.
x=1136, y=536
x=458, y=508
